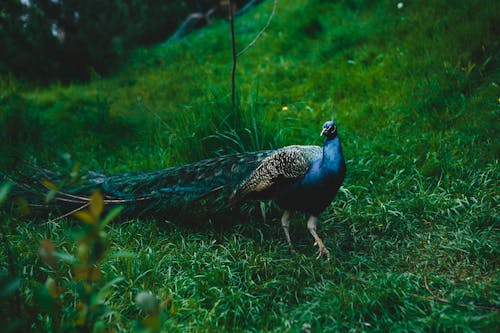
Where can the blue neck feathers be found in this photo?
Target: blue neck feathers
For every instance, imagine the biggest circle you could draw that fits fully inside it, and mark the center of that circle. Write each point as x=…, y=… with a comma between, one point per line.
x=333, y=158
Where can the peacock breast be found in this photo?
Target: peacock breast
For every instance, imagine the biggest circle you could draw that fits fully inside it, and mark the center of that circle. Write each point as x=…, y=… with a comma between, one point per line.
x=314, y=192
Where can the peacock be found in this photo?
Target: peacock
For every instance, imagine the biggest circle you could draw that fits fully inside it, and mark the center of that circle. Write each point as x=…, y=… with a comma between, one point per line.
x=298, y=178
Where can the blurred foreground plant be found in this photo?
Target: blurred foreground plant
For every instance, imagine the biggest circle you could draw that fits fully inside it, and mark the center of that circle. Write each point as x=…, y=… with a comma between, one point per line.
x=77, y=299
x=153, y=314
x=10, y=282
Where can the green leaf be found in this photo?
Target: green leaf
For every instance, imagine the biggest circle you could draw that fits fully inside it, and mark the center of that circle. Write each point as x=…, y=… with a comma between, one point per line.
x=45, y=300
x=99, y=327
x=49, y=185
x=111, y=216
x=86, y=272
x=86, y=217
x=122, y=254
x=96, y=204
x=50, y=195
x=23, y=206
x=4, y=191
x=65, y=257
x=52, y=287
x=98, y=298
x=153, y=322
x=147, y=302
x=104, y=291
x=74, y=171
x=113, y=283
x=9, y=287
x=82, y=313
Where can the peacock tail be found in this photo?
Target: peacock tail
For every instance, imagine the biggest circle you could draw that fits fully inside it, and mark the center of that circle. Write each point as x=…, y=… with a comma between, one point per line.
x=200, y=189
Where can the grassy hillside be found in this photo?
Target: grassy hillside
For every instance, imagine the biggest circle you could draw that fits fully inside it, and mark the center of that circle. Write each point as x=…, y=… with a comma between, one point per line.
x=413, y=232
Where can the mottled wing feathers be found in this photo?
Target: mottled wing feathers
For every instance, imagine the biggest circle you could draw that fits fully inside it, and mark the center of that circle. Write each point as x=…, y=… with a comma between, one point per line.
x=286, y=164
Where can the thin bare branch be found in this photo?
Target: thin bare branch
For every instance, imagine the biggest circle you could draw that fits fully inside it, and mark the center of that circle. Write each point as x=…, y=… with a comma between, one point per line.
x=233, y=44
x=69, y=213
x=262, y=31
x=443, y=300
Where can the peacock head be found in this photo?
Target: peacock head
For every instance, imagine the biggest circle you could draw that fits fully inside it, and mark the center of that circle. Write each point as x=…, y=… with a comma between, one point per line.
x=329, y=130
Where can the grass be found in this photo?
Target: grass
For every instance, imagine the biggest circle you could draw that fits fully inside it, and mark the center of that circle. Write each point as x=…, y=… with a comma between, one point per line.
x=413, y=232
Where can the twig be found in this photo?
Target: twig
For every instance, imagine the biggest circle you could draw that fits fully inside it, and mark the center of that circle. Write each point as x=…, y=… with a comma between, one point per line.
x=439, y=299
x=233, y=44
x=433, y=297
x=69, y=213
x=106, y=200
x=442, y=300
x=262, y=31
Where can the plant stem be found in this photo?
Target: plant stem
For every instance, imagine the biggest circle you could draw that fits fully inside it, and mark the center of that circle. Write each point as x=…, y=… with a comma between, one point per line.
x=261, y=31
x=233, y=44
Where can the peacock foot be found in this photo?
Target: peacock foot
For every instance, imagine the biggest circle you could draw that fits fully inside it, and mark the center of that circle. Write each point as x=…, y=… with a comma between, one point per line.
x=322, y=251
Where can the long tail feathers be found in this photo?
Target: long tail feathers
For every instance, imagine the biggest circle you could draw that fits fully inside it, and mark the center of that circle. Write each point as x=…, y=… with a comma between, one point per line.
x=201, y=188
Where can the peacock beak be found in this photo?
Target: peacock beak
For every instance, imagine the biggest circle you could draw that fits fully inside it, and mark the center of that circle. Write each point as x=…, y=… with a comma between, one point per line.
x=323, y=131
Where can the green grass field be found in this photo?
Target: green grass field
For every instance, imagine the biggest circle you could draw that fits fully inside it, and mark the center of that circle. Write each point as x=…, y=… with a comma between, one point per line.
x=414, y=231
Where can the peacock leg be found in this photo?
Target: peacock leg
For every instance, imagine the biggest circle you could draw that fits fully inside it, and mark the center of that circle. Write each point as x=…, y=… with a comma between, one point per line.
x=311, y=225
x=285, y=223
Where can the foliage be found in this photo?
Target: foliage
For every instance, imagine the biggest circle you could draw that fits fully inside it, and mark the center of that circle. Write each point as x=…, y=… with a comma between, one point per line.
x=414, y=231
x=67, y=40
x=20, y=126
x=78, y=298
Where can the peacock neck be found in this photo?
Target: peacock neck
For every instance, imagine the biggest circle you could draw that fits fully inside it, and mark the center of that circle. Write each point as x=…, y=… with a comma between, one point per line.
x=332, y=153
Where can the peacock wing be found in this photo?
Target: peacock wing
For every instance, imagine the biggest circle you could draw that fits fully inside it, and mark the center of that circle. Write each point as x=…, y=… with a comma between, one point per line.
x=284, y=165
